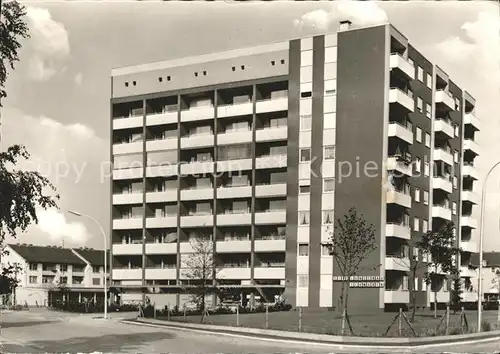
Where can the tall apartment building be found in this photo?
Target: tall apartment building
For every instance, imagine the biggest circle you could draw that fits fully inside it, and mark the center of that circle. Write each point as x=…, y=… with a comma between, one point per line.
x=253, y=147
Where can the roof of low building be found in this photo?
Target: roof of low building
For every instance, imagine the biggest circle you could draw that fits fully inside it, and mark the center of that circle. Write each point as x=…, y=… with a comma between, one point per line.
x=93, y=256
x=46, y=254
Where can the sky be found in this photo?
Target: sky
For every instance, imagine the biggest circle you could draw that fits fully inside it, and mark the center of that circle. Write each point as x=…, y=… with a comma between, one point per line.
x=58, y=96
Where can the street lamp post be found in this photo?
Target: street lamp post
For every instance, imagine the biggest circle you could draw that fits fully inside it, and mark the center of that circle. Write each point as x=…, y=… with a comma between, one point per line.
x=105, y=258
x=481, y=237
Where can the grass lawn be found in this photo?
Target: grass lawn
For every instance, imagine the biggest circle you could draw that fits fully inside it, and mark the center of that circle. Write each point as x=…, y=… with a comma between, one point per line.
x=329, y=322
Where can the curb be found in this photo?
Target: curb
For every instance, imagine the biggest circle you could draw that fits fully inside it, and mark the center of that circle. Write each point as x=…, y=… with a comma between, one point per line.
x=325, y=340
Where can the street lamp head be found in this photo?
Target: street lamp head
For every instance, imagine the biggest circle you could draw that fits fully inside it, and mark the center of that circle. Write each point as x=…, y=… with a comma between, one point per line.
x=74, y=212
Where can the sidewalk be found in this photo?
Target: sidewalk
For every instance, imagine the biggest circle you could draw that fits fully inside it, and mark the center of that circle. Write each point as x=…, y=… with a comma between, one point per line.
x=378, y=342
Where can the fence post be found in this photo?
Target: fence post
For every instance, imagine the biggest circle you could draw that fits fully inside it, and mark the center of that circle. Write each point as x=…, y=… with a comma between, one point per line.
x=267, y=316
x=400, y=322
x=154, y=310
x=300, y=319
x=447, y=319
x=168, y=312
x=498, y=313
x=185, y=318
x=238, y=315
x=343, y=322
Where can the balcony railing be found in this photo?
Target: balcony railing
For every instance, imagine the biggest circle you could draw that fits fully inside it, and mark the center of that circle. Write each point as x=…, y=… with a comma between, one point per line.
x=272, y=265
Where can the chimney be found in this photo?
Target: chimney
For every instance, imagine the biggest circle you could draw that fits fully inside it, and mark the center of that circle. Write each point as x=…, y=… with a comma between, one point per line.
x=345, y=25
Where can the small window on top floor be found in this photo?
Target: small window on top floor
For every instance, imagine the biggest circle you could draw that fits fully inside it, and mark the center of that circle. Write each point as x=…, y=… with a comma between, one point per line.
x=282, y=61
x=160, y=79
x=243, y=67
x=196, y=74
x=168, y=78
x=273, y=62
x=134, y=83
x=126, y=84
x=204, y=73
x=234, y=68
x=306, y=94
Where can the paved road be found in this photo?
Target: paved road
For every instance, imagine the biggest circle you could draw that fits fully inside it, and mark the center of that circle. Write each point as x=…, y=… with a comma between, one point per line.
x=37, y=331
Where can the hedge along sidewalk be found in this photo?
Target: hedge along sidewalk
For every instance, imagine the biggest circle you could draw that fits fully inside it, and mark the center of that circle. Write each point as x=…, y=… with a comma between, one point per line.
x=375, y=342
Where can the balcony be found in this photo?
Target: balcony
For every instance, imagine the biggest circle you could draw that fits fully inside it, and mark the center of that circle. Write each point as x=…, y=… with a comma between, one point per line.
x=442, y=212
x=127, y=198
x=128, y=148
x=442, y=296
x=162, y=144
x=127, y=123
x=397, y=263
x=470, y=171
x=234, y=219
x=467, y=272
x=127, y=274
x=443, y=126
x=197, y=194
x=270, y=217
x=398, y=62
x=166, y=170
x=468, y=246
x=125, y=224
x=197, y=141
x=469, y=296
x=270, y=245
x=442, y=183
x=197, y=168
x=197, y=220
x=236, y=273
x=269, y=272
x=197, y=113
x=399, y=197
x=234, y=165
x=443, y=155
x=396, y=297
x=444, y=99
x=470, y=118
x=233, y=246
x=161, y=197
x=161, y=248
x=271, y=134
x=162, y=118
x=271, y=161
x=399, y=131
x=237, y=137
x=399, y=231
x=234, y=192
x=471, y=145
x=127, y=249
x=270, y=190
x=272, y=105
x=235, y=110
x=128, y=173
x=468, y=221
x=161, y=273
x=161, y=222
x=471, y=197
x=396, y=96
x=397, y=164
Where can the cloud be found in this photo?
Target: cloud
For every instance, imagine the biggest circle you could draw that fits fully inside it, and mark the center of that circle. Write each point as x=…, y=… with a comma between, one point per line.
x=49, y=43
x=54, y=224
x=78, y=130
x=79, y=78
x=363, y=13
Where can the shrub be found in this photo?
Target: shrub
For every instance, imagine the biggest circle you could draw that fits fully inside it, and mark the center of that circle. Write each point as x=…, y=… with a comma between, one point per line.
x=485, y=326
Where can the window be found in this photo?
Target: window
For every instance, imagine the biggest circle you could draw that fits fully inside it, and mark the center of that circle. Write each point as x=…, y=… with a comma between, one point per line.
x=426, y=198
x=126, y=84
x=160, y=79
x=328, y=185
x=243, y=67
x=303, y=249
x=204, y=73
x=455, y=182
x=416, y=224
x=33, y=279
x=168, y=78
x=457, y=104
x=233, y=68
x=64, y=268
x=417, y=194
x=304, y=217
x=427, y=140
x=428, y=110
x=306, y=94
x=425, y=226
x=326, y=249
x=328, y=217
x=455, y=156
x=305, y=155
x=418, y=132
x=426, y=169
x=303, y=281
x=33, y=266
x=415, y=253
x=445, y=285
x=420, y=104
x=134, y=83
x=304, y=189
x=273, y=62
x=405, y=283
x=282, y=61
x=96, y=281
x=454, y=208
x=410, y=60
x=420, y=74
x=429, y=81
x=329, y=153
x=196, y=74
x=63, y=280
x=96, y=269
x=305, y=122
x=456, y=130
x=418, y=164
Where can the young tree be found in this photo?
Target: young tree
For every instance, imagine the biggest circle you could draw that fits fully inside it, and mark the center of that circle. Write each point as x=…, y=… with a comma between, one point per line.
x=456, y=290
x=8, y=278
x=440, y=245
x=200, y=269
x=352, y=241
